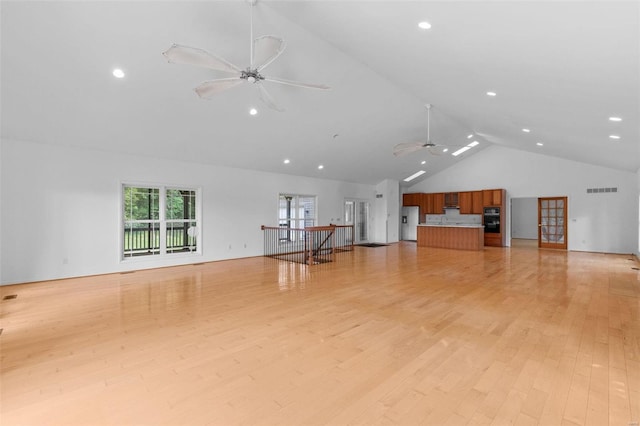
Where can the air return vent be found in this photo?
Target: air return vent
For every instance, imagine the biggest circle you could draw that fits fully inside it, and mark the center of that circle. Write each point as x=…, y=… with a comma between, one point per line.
x=600, y=190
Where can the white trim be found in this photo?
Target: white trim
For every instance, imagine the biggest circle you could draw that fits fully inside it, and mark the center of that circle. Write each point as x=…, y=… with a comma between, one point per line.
x=162, y=222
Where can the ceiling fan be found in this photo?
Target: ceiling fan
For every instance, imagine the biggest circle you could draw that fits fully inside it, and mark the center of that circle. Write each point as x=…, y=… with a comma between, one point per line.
x=263, y=51
x=409, y=147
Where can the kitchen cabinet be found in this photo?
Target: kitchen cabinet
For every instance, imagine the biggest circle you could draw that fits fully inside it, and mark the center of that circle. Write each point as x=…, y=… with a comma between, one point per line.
x=477, y=204
x=426, y=205
x=454, y=237
x=438, y=203
x=451, y=199
x=466, y=202
x=411, y=199
x=493, y=240
x=492, y=197
x=471, y=202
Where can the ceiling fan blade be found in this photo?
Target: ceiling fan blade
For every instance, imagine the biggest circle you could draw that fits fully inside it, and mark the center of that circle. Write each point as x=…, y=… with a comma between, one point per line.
x=407, y=148
x=267, y=99
x=265, y=50
x=437, y=149
x=178, y=54
x=212, y=87
x=298, y=84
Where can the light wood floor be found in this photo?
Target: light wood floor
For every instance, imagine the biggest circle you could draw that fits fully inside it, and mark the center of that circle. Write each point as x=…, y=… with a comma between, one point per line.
x=388, y=335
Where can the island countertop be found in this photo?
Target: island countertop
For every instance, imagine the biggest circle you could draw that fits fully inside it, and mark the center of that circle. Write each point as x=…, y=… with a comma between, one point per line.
x=452, y=225
x=462, y=236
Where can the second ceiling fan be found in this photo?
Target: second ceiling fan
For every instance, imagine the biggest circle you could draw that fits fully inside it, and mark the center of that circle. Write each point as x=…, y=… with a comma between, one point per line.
x=433, y=148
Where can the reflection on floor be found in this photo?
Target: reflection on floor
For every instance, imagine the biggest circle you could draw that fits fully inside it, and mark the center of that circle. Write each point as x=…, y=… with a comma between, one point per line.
x=400, y=335
x=524, y=243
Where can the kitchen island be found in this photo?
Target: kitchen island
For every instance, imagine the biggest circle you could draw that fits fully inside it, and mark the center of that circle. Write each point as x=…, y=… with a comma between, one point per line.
x=462, y=237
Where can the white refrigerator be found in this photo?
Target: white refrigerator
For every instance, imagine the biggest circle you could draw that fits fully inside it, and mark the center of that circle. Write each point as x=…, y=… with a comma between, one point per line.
x=409, y=223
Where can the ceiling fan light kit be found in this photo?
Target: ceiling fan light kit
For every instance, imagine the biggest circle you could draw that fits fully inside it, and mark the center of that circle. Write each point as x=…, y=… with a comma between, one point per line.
x=263, y=51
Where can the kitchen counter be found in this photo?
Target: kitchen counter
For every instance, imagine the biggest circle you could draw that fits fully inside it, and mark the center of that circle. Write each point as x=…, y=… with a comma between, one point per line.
x=452, y=225
x=461, y=236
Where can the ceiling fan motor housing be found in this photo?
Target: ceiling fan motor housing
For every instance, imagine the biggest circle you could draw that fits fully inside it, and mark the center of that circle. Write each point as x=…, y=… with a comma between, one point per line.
x=252, y=76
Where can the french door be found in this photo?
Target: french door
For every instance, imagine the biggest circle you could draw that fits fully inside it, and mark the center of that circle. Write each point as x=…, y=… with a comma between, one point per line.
x=552, y=222
x=356, y=213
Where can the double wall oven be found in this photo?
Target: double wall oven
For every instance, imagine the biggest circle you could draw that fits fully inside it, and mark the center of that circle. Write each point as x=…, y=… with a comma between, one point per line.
x=491, y=219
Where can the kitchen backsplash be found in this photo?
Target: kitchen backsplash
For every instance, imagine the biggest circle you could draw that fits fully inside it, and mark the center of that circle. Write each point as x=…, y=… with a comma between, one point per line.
x=453, y=217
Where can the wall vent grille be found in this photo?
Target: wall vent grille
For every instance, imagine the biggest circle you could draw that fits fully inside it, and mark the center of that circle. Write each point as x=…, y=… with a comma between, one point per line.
x=600, y=190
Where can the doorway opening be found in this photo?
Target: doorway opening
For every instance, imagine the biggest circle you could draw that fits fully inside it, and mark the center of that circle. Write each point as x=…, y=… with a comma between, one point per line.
x=539, y=222
x=356, y=213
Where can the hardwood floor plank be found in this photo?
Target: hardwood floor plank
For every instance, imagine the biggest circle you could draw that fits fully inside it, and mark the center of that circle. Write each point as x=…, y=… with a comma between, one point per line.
x=393, y=335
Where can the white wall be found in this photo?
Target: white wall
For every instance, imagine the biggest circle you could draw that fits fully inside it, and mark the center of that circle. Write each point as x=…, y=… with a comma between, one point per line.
x=606, y=222
x=386, y=211
x=63, y=203
x=524, y=218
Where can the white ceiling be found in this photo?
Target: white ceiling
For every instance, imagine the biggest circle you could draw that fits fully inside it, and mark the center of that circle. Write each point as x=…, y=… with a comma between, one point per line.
x=559, y=68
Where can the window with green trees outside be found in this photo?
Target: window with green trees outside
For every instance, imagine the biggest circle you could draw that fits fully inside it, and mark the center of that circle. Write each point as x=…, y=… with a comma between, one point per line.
x=160, y=220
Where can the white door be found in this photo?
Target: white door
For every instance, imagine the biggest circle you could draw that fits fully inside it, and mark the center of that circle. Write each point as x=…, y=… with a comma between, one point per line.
x=356, y=213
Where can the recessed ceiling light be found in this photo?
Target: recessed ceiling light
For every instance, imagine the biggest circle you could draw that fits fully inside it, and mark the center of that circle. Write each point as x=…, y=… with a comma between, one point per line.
x=286, y=161
x=461, y=150
x=415, y=175
x=423, y=162
x=424, y=25
x=470, y=136
x=615, y=119
x=491, y=93
x=320, y=167
x=474, y=143
x=614, y=137
x=253, y=111
x=539, y=143
x=118, y=73
x=526, y=130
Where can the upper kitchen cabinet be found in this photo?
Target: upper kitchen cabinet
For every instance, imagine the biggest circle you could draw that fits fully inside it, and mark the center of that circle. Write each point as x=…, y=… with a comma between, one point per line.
x=426, y=204
x=438, y=203
x=451, y=199
x=466, y=202
x=412, y=199
x=471, y=202
x=477, y=202
x=493, y=197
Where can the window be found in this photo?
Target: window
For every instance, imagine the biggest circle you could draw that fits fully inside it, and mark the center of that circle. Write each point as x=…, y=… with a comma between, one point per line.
x=160, y=220
x=295, y=211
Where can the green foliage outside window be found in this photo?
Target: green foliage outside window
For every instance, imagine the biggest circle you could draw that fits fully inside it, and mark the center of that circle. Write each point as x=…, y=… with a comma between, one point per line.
x=141, y=203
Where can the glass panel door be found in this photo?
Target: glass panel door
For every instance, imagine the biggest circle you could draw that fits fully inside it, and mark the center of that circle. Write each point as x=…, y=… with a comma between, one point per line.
x=552, y=222
x=362, y=221
x=356, y=213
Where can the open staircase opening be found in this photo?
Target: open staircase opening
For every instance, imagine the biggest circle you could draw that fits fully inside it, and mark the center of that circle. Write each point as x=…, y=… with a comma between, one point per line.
x=311, y=245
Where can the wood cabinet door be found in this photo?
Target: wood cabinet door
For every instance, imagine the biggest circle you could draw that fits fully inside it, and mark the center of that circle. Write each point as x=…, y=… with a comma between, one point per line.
x=451, y=199
x=426, y=205
x=492, y=197
x=438, y=203
x=466, y=202
x=410, y=199
x=477, y=206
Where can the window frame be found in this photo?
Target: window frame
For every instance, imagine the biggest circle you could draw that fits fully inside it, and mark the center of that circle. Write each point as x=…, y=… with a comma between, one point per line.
x=161, y=222
x=295, y=220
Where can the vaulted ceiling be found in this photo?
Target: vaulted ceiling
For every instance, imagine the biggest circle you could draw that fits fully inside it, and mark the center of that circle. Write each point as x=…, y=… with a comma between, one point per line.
x=559, y=69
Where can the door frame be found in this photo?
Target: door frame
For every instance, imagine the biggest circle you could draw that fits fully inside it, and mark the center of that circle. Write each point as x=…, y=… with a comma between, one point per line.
x=356, y=219
x=548, y=244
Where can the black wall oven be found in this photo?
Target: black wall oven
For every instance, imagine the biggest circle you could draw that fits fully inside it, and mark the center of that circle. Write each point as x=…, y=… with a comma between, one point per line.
x=491, y=220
